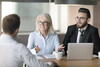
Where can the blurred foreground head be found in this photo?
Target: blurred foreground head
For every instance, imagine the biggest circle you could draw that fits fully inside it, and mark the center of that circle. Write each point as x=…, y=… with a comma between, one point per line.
x=10, y=24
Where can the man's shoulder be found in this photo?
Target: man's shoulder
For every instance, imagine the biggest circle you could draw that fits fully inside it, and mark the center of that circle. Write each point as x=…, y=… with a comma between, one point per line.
x=21, y=45
x=22, y=48
x=72, y=26
x=92, y=27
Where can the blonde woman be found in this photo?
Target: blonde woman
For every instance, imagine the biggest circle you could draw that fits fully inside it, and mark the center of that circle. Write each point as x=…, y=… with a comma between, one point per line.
x=44, y=40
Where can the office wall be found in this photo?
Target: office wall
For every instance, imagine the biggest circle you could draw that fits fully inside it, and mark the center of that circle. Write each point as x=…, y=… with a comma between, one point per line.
x=97, y=16
x=95, y=12
x=0, y=17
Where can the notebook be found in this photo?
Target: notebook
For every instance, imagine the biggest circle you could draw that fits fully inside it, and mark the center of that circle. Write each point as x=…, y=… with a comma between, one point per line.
x=80, y=51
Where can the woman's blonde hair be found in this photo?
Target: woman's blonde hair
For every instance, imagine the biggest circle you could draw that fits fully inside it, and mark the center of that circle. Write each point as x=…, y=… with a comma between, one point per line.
x=49, y=20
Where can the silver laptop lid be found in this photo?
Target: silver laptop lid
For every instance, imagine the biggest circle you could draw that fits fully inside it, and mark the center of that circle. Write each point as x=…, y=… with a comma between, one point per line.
x=80, y=51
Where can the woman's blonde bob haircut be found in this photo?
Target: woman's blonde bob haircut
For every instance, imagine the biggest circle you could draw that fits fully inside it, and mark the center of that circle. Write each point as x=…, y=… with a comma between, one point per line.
x=49, y=20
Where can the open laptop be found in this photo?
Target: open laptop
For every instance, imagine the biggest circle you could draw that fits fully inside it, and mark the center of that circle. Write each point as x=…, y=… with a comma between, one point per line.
x=80, y=51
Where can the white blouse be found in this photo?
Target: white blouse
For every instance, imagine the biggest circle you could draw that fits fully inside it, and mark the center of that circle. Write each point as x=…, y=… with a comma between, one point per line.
x=47, y=45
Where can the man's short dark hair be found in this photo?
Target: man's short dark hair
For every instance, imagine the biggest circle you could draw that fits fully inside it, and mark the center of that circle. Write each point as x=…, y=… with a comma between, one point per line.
x=11, y=23
x=85, y=10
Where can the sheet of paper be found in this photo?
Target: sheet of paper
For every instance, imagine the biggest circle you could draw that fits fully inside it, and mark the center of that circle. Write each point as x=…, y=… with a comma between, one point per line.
x=45, y=56
x=49, y=56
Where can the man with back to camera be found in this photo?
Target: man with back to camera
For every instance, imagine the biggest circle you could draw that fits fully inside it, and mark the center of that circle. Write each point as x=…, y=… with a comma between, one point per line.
x=82, y=32
x=12, y=53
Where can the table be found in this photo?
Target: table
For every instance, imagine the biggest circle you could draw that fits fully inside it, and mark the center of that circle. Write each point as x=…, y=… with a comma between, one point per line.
x=76, y=63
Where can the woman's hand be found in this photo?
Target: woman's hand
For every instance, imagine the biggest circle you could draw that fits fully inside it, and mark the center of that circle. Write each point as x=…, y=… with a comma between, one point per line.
x=37, y=49
x=61, y=47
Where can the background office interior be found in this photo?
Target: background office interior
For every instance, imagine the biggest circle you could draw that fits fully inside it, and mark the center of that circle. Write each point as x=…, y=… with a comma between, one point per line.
x=62, y=15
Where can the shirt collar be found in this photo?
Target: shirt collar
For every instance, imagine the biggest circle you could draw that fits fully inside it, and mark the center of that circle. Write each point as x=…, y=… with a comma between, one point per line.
x=6, y=36
x=83, y=28
x=42, y=36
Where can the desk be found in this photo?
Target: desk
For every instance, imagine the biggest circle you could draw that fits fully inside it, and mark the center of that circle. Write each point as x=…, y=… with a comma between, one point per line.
x=76, y=63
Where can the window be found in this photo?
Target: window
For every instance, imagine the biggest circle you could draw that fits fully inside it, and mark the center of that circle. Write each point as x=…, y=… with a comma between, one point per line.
x=27, y=12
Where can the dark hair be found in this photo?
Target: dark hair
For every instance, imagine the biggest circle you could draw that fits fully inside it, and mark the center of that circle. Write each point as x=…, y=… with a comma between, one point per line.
x=11, y=23
x=85, y=10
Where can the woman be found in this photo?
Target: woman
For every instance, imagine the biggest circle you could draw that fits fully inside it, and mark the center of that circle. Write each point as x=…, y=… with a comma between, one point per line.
x=43, y=40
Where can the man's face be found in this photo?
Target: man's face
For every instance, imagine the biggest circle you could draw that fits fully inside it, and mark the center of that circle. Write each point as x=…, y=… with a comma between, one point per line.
x=81, y=20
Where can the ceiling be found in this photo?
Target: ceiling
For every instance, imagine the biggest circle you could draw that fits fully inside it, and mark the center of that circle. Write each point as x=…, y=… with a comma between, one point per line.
x=84, y=2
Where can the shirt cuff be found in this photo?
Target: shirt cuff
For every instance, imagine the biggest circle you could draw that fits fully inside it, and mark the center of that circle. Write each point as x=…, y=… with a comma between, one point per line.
x=33, y=51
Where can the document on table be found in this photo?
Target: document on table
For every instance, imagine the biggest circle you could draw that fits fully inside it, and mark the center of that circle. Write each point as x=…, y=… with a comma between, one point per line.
x=45, y=56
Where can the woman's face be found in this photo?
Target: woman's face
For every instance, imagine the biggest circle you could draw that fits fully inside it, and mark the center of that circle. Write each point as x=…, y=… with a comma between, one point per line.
x=43, y=24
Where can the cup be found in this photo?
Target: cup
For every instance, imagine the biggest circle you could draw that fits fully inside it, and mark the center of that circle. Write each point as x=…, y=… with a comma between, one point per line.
x=58, y=55
x=99, y=55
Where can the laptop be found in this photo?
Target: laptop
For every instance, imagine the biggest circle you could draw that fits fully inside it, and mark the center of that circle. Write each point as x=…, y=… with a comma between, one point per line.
x=80, y=51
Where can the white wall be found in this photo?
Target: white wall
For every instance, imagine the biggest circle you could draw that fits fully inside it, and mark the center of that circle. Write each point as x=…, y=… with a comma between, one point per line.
x=97, y=16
